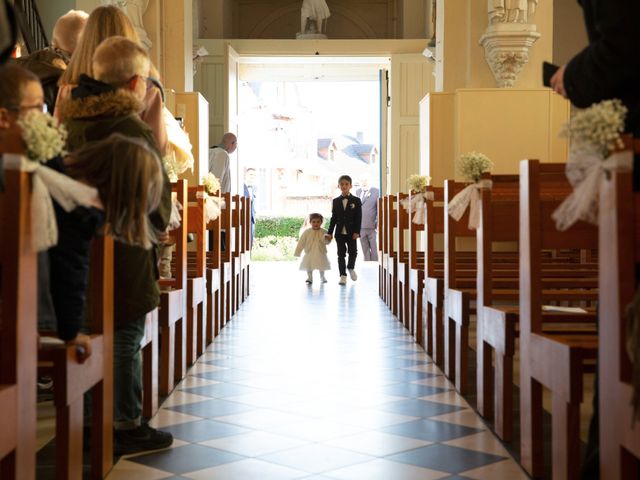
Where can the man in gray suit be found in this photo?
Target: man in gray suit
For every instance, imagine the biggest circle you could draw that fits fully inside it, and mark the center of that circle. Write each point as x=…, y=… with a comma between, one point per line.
x=369, y=228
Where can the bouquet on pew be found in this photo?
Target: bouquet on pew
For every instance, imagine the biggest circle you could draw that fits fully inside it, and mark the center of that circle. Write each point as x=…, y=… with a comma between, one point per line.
x=471, y=166
x=43, y=136
x=417, y=201
x=45, y=139
x=596, y=143
x=213, y=203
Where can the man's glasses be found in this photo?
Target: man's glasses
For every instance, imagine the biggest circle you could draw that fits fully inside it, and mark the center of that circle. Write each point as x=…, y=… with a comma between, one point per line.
x=40, y=107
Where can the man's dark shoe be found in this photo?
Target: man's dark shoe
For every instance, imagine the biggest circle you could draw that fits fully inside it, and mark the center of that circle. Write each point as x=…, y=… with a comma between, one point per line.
x=140, y=439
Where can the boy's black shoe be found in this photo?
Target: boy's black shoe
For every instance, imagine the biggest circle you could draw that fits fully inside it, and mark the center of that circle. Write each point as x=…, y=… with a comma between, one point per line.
x=140, y=439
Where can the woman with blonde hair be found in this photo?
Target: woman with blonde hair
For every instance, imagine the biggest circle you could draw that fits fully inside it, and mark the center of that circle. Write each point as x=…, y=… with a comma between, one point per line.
x=104, y=22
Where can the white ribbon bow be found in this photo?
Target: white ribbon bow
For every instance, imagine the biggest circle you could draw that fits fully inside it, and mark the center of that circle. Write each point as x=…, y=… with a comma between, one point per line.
x=47, y=183
x=469, y=197
x=585, y=172
x=212, y=206
x=417, y=203
x=175, y=219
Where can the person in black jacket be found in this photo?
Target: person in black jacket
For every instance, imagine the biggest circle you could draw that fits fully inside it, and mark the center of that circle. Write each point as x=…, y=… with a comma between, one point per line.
x=346, y=218
x=609, y=67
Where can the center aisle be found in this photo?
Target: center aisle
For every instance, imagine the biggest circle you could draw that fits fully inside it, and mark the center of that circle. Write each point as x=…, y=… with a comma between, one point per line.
x=318, y=382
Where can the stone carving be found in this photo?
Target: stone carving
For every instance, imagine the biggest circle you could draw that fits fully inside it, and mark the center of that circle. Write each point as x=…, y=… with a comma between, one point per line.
x=508, y=38
x=511, y=11
x=135, y=10
x=313, y=19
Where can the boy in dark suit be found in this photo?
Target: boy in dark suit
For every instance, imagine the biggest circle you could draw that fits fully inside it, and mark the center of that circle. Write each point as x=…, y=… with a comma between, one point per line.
x=346, y=217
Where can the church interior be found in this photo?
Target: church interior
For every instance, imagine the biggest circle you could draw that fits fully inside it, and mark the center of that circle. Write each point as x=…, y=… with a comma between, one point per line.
x=481, y=345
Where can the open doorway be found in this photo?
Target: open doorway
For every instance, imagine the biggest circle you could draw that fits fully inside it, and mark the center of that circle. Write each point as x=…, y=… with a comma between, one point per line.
x=301, y=125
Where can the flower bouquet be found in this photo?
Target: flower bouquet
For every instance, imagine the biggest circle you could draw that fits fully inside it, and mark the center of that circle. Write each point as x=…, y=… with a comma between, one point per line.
x=595, y=152
x=43, y=136
x=471, y=166
x=416, y=202
x=44, y=140
x=212, y=202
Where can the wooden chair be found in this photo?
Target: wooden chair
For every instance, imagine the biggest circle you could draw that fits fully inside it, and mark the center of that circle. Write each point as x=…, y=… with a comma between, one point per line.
x=619, y=240
x=236, y=251
x=391, y=255
x=215, y=304
x=225, y=262
x=173, y=322
x=497, y=323
x=416, y=276
x=196, y=276
x=72, y=379
x=402, y=265
x=382, y=270
x=150, y=345
x=555, y=361
x=18, y=330
x=245, y=258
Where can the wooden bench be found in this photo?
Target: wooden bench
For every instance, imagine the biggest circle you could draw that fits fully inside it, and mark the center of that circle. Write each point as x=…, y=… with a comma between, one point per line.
x=402, y=264
x=563, y=281
x=382, y=270
x=391, y=254
x=18, y=330
x=234, y=245
x=225, y=262
x=416, y=275
x=619, y=240
x=72, y=379
x=215, y=304
x=172, y=317
x=555, y=361
x=150, y=345
x=196, y=275
x=245, y=257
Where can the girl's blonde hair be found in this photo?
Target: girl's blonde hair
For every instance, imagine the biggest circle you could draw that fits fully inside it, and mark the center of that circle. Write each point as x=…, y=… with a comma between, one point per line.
x=128, y=176
x=104, y=22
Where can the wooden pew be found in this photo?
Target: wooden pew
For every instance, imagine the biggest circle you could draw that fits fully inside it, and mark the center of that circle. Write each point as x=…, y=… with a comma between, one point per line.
x=72, y=379
x=619, y=240
x=496, y=323
x=433, y=275
x=215, y=304
x=196, y=276
x=445, y=279
x=18, y=330
x=225, y=262
x=382, y=269
x=402, y=265
x=391, y=255
x=150, y=345
x=173, y=322
x=416, y=276
x=245, y=258
x=555, y=361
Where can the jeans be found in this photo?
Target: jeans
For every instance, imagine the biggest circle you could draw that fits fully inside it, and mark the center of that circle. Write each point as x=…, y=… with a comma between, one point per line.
x=346, y=243
x=127, y=375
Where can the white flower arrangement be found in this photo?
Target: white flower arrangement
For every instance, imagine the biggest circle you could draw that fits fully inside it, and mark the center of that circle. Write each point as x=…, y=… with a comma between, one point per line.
x=596, y=151
x=473, y=164
x=418, y=183
x=169, y=163
x=597, y=128
x=43, y=136
x=211, y=183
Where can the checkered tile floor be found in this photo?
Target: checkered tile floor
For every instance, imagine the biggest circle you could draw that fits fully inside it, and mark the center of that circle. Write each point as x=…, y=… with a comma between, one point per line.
x=318, y=382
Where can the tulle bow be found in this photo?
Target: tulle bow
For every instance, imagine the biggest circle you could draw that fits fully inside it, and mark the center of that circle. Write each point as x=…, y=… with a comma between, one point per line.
x=469, y=197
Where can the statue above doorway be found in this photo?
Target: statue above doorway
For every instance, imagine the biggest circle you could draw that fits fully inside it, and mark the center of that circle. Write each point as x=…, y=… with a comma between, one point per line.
x=313, y=19
x=135, y=10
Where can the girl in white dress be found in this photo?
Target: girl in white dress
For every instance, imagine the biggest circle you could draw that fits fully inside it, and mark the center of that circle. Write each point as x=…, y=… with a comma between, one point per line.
x=314, y=244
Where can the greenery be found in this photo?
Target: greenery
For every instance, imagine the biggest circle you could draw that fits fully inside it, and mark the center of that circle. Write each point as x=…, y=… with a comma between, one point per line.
x=273, y=248
x=276, y=237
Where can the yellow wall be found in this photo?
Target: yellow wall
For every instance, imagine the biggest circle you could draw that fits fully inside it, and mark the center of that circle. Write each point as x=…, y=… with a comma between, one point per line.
x=509, y=125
